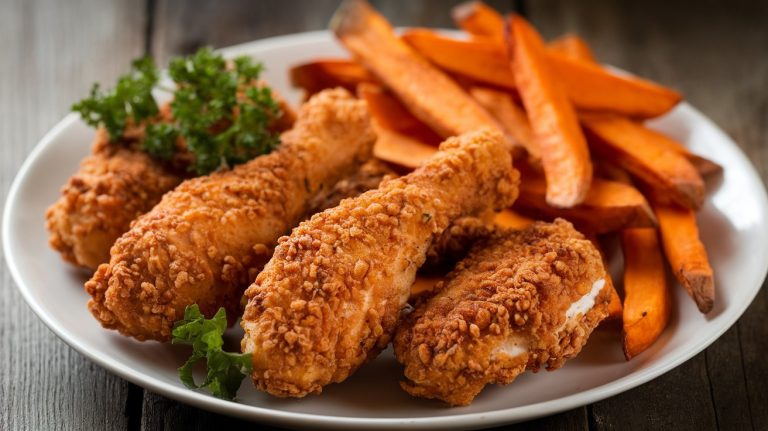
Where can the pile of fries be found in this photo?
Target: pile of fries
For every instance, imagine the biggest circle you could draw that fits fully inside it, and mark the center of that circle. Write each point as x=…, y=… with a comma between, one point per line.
x=575, y=127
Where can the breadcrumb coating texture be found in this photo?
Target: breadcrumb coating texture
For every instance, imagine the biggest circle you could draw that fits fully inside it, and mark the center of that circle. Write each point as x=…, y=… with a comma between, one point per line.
x=502, y=310
x=116, y=184
x=332, y=294
x=208, y=238
x=113, y=186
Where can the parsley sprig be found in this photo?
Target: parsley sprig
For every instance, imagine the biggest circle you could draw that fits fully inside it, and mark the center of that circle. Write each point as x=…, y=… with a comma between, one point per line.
x=225, y=370
x=130, y=99
x=218, y=109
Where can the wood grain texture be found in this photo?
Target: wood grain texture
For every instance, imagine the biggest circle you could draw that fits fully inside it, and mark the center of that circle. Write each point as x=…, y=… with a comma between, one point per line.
x=182, y=26
x=52, y=51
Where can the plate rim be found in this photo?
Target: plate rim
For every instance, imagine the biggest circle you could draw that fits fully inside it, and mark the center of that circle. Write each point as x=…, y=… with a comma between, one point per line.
x=281, y=417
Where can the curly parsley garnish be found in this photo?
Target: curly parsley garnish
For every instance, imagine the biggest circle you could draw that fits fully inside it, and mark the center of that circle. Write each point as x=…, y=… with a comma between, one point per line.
x=130, y=99
x=218, y=109
x=225, y=370
x=205, y=103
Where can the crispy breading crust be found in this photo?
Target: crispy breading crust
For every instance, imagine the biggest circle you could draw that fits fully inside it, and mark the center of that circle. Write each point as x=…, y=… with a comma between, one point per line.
x=502, y=310
x=206, y=240
x=114, y=185
x=332, y=294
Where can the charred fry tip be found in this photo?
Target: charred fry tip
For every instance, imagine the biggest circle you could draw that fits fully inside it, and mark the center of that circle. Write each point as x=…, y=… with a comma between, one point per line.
x=348, y=16
x=464, y=10
x=701, y=286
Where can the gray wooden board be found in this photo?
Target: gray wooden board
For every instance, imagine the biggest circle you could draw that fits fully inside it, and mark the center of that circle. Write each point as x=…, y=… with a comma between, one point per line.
x=51, y=52
x=715, y=53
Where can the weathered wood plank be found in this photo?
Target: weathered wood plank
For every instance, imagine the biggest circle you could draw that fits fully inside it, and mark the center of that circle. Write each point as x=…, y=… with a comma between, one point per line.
x=52, y=51
x=716, y=56
x=572, y=420
x=182, y=26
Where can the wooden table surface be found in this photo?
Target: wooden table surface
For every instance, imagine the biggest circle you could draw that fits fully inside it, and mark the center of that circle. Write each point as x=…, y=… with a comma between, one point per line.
x=51, y=52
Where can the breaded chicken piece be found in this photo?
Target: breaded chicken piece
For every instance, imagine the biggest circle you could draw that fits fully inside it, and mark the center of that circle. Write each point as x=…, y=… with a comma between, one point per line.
x=115, y=184
x=332, y=294
x=206, y=240
x=519, y=301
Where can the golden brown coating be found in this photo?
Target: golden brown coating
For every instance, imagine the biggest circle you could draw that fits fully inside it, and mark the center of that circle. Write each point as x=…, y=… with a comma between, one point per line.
x=114, y=185
x=520, y=300
x=332, y=294
x=206, y=240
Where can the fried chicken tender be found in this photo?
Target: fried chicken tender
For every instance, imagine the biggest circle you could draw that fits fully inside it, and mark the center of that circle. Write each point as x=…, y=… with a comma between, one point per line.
x=332, y=294
x=520, y=300
x=208, y=238
x=115, y=184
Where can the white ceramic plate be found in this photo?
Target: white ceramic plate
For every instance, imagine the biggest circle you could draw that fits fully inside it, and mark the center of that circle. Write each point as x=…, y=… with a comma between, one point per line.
x=733, y=228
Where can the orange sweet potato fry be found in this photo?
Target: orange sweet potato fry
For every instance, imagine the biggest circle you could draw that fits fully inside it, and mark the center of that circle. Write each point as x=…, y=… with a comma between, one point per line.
x=390, y=114
x=589, y=86
x=609, y=205
x=510, y=115
x=686, y=254
x=704, y=166
x=469, y=58
x=428, y=92
x=592, y=88
x=634, y=148
x=609, y=171
x=479, y=19
x=573, y=47
x=647, y=300
x=563, y=149
x=424, y=284
x=402, y=150
x=320, y=74
x=512, y=220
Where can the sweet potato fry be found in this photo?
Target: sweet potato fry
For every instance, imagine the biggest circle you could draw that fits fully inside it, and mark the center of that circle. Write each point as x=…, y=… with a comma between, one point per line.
x=479, y=19
x=390, y=114
x=427, y=91
x=510, y=115
x=647, y=300
x=320, y=74
x=592, y=88
x=512, y=220
x=563, y=149
x=424, y=284
x=686, y=254
x=632, y=147
x=704, y=166
x=589, y=86
x=573, y=47
x=609, y=171
x=402, y=150
x=609, y=205
x=469, y=58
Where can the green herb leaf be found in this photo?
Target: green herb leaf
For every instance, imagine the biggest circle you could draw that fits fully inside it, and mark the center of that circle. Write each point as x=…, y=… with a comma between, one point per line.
x=217, y=108
x=208, y=97
x=130, y=99
x=160, y=140
x=225, y=370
